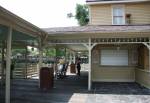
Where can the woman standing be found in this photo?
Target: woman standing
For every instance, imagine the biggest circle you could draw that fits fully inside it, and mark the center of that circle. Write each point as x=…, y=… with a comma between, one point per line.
x=78, y=66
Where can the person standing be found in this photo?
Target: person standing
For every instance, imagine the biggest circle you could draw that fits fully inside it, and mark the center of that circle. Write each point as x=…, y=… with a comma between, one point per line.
x=78, y=66
x=12, y=67
x=11, y=70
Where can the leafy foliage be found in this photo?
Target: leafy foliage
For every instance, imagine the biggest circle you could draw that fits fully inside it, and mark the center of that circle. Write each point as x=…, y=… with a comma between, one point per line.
x=82, y=14
x=51, y=52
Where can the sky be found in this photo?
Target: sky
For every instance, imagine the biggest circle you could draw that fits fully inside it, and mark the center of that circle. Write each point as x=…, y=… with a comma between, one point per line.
x=44, y=13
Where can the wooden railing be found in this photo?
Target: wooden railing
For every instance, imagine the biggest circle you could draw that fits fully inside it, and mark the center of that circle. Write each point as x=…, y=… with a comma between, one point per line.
x=31, y=70
x=18, y=71
x=23, y=70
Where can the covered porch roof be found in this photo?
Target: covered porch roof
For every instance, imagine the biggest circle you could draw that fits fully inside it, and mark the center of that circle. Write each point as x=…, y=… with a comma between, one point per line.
x=22, y=30
x=93, y=2
x=75, y=36
x=16, y=31
x=87, y=37
x=98, y=29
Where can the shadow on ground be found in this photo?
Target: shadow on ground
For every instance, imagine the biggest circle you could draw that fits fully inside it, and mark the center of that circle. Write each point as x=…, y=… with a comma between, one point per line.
x=73, y=89
x=120, y=88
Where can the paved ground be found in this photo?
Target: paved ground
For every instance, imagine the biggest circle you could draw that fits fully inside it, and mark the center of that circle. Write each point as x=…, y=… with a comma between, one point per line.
x=73, y=89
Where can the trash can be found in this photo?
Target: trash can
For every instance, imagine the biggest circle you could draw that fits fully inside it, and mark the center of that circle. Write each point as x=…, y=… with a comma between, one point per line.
x=46, y=78
x=72, y=68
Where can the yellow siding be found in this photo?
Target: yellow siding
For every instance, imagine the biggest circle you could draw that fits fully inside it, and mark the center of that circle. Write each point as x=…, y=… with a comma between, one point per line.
x=140, y=13
x=101, y=14
x=113, y=74
x=142, y=77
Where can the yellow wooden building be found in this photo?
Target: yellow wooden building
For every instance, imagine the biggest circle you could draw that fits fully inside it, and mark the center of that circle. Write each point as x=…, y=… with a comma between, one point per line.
x=117, y=40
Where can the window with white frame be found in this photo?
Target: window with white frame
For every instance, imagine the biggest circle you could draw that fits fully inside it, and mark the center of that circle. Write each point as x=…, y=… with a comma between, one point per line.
x=118, y=17
x=114, y=57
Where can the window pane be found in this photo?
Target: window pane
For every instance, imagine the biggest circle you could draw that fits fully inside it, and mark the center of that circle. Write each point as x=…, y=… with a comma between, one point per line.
x=118, y=20
x=120, y=12
x=117, y=12
x=115, y=20
x=118, y=16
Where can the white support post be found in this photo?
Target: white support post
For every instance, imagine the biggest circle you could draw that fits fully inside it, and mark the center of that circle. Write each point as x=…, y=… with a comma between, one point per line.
x=90, y=46
x=8, y=63
x=149, y=59
x=89, y=74
x=40, y=57
x=149, y=55
x=26, y=63
x=2, y=63
x=93, y=45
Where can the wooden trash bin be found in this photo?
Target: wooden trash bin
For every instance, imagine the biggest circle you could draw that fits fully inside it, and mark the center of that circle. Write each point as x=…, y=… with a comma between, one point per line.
x=72, y=68
x=46, y=78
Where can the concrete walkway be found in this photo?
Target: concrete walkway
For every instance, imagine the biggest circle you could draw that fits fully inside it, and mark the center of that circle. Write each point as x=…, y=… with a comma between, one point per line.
x=73, y=89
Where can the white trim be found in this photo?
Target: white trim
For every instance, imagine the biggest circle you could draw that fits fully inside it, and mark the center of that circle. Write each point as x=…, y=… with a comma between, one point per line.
x=90, y=16
x=146, y=71
x=113, y=80
x=76, y=43
x=102, y=43
x=148, y=46
x=116, y=6
x=93, y=45
x=90, y=66
x=84, y=44
x=149, y=58
x=20, y=21
x=2, y=66
x=40, y=58
x=115, y=2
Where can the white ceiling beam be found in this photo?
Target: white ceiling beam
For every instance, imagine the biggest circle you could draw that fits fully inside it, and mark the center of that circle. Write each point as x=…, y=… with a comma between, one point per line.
x=147, y=45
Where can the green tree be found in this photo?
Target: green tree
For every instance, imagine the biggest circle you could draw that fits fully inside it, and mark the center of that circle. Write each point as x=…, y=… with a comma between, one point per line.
x=82, y=14
x=51, y=52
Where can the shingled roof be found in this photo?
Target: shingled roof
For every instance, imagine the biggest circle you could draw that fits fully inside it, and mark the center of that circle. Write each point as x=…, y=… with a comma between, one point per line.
x=102, y=0
x=109, y=0
x=113, y=1
x=98, y=29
